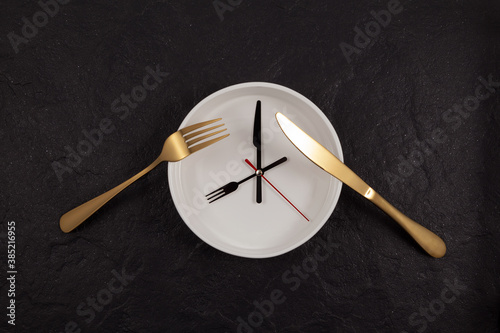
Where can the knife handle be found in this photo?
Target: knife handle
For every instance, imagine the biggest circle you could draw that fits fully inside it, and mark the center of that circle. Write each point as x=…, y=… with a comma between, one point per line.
x=428, y=240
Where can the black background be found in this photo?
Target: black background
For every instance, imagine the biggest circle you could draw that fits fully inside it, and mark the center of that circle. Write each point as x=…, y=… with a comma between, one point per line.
x=395, y=91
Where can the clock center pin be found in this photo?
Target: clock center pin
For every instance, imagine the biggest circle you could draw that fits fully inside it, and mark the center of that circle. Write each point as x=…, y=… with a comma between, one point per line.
x=259, y=172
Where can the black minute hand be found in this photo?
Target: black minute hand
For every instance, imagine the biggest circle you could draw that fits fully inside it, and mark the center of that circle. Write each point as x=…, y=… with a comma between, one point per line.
x=257, y=143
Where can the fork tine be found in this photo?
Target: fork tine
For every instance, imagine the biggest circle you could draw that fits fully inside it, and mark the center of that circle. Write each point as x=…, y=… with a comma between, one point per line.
x=217, y=190
x=192, y=135
x=223, y=195
x=205, y=144
x=216, y=194
x=190, y=128
x=193, y=141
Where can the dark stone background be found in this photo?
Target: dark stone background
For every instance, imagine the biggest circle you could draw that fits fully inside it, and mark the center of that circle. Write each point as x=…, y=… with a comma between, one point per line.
x=395, y=91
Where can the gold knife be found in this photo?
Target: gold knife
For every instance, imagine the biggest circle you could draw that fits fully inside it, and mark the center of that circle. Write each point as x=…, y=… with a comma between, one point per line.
x=318, y=154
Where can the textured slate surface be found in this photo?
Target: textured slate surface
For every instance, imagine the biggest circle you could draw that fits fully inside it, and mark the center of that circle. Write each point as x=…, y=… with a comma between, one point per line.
x=394, y=92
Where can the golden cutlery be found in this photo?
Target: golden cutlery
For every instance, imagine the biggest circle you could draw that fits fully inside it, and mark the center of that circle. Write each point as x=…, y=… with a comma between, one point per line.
x=178, y=146
x=318, y=154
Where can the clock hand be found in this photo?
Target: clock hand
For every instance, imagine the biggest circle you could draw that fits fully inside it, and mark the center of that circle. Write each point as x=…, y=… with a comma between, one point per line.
x=232, y=186
x=257, y=143
x=249, y=163
x=272, y=165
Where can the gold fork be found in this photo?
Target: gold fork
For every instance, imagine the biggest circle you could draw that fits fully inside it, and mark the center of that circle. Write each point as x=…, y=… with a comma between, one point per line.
x=179, y=145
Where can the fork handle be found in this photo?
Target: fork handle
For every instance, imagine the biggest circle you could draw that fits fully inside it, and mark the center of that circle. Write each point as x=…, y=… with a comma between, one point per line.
x=428, y=240
x=76, y=216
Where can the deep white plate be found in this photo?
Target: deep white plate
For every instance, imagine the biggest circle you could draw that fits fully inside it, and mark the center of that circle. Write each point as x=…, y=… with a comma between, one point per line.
x=236, y=224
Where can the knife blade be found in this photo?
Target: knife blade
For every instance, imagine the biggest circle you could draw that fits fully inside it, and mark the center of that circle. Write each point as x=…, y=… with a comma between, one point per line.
x=321, y=156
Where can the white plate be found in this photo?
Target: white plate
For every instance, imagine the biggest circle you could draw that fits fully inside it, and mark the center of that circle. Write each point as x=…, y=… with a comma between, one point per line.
x=236, y=224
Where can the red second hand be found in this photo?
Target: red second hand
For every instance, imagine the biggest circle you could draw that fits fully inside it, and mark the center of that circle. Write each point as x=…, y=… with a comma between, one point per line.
x=255, y=169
